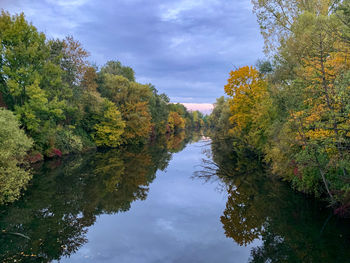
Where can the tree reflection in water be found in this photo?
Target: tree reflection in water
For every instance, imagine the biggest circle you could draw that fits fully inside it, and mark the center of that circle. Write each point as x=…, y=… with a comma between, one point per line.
x=291, y=226
x=51, y=219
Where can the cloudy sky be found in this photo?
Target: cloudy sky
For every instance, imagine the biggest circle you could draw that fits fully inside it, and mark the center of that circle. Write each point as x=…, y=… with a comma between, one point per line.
x=186, y=48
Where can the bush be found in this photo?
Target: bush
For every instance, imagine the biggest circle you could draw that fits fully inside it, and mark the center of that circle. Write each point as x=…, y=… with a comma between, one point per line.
x=85, y=139
x=14, y=145
x=68, y=142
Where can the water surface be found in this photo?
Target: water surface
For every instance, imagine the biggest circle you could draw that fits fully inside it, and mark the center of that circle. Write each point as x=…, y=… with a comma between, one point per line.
x=173, y=201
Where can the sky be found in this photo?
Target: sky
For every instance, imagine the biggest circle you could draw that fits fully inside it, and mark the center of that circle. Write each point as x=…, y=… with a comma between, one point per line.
x=186, y=48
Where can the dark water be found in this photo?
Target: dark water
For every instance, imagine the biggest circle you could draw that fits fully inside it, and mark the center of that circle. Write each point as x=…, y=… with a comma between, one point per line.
x=178, y=200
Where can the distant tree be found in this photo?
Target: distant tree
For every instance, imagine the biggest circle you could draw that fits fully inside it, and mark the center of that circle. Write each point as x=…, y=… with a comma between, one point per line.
x=89, y=80
x=264, y=66
x=175, y=122
x=158, y=105
x=116, y=68
x=219, y=118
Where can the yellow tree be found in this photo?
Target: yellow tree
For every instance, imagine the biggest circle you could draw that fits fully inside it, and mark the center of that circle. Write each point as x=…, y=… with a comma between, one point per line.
x=175, y=122
x=249, y=104
x=110, y=128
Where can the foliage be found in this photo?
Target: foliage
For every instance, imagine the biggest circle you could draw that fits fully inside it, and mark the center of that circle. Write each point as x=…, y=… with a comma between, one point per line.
x=219, y=118
x=250, y=105
x=68, y=142
x=25, y=73
x=175, y=122
x=110, y=127
x=295, y=110
x=159, y=110
x=116, y=68
x=14, y=145
x=132, y=101
x=198, y=121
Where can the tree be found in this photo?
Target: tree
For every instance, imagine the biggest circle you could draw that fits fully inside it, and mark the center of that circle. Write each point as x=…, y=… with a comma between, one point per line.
x=22, y=53
x=116, y=68
x=277, y=17
x=158, y=106
x=132, y=100
x=183, y=112
x=89, y=80
x=175, y=122
x=73, y=61
x=110, y=127
x=250, y=106
x=25, y=73
x=197, y=119
x=219, y=119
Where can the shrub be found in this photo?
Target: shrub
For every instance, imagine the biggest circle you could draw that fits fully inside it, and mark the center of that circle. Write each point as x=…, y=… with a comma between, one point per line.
x=68, y=142
x=14, y=145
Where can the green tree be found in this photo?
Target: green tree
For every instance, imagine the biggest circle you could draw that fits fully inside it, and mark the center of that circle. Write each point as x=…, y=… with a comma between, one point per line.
x=116, y=68
x=220, y=118
x=25, y=71
x=158, y=106
x=14, y=145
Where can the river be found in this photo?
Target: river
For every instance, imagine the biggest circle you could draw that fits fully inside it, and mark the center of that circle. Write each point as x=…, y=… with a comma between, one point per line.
x=181, y=199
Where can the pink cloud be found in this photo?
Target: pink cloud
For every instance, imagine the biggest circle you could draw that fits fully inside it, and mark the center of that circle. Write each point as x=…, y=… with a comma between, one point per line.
x=205, y=108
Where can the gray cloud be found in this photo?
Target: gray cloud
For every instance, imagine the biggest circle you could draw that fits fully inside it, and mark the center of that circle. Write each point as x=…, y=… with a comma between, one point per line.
x=185, y=48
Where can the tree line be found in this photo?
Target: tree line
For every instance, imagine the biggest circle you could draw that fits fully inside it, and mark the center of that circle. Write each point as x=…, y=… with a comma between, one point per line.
x=293, y=108
x=53, y=102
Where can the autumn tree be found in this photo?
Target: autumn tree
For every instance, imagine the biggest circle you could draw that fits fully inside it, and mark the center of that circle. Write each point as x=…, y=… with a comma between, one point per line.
x=74, y=61
x=175, y=122
x=250, y=105
x=109, y=128
x=89, y=80
x=131, y=99
x=183, y=112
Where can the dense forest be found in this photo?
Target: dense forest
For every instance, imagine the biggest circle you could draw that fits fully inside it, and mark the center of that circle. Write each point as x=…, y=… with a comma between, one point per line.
x=293, y=109
x=54, y=102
